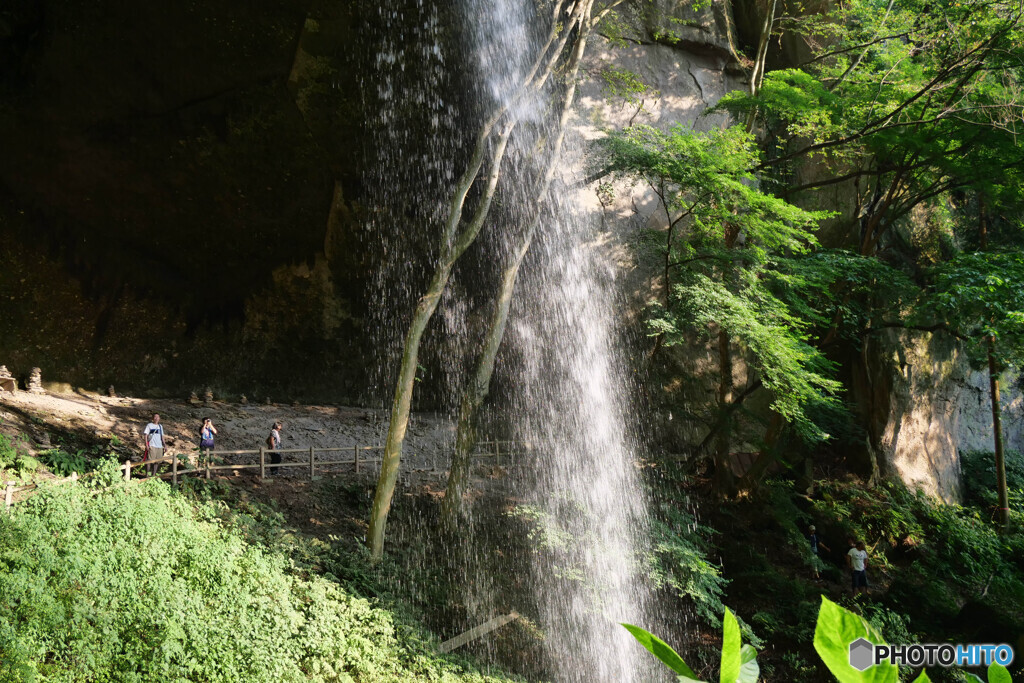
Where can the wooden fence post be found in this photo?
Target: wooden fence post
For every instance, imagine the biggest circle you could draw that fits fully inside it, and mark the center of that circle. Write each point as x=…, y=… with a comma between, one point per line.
x=207, y=463
x=174, y=469
x=127, y=470
x=311, y=465
x=355, y=457
x=263, y=462
x=9, y=496
x=497, y=453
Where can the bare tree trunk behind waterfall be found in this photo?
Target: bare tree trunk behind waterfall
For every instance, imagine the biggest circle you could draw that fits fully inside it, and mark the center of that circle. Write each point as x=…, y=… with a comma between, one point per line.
x=455, y=242
x=479, y=387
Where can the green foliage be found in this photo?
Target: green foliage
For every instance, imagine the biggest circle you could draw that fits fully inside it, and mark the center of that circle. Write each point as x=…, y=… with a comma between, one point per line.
x=796, y=374
x=917, y=99
x=63, y=464
x=981, y=296
x=552, y=535
x=978, y=476
x=677, y=561
x=657, y=647
x=8, y=453
x=726, y=240
x=839, y=293
x=836, y=629
x=625, y=85
x=959, y=555
x=738, y=661
x=14, y=458
x=140, y=584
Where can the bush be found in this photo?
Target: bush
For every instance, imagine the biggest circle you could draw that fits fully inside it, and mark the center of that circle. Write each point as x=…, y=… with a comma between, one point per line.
x=63, y=464
x=978, y=474
x=139, y=584
x=678, y=561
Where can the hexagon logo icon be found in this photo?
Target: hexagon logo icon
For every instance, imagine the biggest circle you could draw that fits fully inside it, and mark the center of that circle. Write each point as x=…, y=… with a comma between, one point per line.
x=862, y=654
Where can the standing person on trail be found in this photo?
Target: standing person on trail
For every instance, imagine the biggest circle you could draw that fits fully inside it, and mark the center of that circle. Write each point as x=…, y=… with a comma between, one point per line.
x=812, y=537
x=153, y=442
x=857, y=561
x=206, y=435
x=274, y=444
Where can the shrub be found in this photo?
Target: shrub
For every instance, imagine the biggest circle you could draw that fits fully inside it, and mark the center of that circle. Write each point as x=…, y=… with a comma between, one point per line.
x=140, y=584
x=63, y=463
x=978, y=474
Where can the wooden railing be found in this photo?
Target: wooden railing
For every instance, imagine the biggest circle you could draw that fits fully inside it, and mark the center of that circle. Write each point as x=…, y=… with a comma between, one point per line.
x=206, y=466
x=511, y=451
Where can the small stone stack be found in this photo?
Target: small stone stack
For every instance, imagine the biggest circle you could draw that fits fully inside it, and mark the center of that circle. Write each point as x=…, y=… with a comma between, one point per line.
x=208, y=396
x=244, y=401
x=110, y=391
x=7, y=381
x=267, y=401
x=35, y=381
x=193, y=399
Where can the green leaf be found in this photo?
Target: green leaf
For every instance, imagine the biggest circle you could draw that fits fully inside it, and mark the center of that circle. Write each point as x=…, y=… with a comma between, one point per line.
x=923, y=678
x=749, y=671
x=997, y=673
x=836, y=629
x=660, y=649
x=972, y=678
x=730, y=669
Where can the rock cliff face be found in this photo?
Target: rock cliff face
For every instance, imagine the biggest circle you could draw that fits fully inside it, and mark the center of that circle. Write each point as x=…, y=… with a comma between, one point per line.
x=168, y=176
x=923, y=405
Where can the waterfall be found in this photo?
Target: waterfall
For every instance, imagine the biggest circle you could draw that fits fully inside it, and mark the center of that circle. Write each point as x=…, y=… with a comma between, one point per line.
x=565, y=385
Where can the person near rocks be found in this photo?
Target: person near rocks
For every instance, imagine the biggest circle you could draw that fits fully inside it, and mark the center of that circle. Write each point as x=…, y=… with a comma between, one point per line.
x=274, y=444
x=153, y=442
x=206, y=435
x=812, y=537
x=857, y=561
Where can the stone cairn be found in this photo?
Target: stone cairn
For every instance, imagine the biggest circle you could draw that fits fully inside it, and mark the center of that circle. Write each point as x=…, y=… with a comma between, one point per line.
x=244, y=401
x=35, y=381
x=110, y=391
x=208, y=396
x=7, y=381
x=193, y=399
x=267, y=401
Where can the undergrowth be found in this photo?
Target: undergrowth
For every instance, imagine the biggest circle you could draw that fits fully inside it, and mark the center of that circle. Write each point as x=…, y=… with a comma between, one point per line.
x=107, y=582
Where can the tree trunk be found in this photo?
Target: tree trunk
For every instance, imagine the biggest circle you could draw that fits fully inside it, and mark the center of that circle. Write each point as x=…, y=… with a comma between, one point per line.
x=476, y=392
x=455, y=243
x=1002, y=513
x=401, y=406
x=725, y=482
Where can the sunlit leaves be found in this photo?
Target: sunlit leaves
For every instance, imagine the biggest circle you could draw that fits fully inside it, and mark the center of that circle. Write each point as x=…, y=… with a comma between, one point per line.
x=981, y=295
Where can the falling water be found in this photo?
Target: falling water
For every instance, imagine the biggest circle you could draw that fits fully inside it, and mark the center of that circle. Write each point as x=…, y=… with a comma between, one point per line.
x=561, y=364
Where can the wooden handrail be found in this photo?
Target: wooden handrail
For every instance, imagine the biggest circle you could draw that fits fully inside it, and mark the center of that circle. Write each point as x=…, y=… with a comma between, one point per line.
x=204, y=467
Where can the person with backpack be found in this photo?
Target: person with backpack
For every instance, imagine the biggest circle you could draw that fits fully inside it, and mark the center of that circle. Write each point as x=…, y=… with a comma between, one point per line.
x=153, y=443
x=274, y=445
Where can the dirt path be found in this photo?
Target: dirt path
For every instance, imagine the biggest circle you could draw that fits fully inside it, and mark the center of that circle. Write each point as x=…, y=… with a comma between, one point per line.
x=49, y=420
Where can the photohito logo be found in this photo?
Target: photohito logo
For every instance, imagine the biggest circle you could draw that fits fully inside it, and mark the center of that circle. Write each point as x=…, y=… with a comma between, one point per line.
x=864, y=654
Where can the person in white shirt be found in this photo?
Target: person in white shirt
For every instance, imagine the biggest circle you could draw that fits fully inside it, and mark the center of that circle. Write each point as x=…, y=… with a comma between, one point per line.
x=274, y=444
x=857, y=561
x=153, y=441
